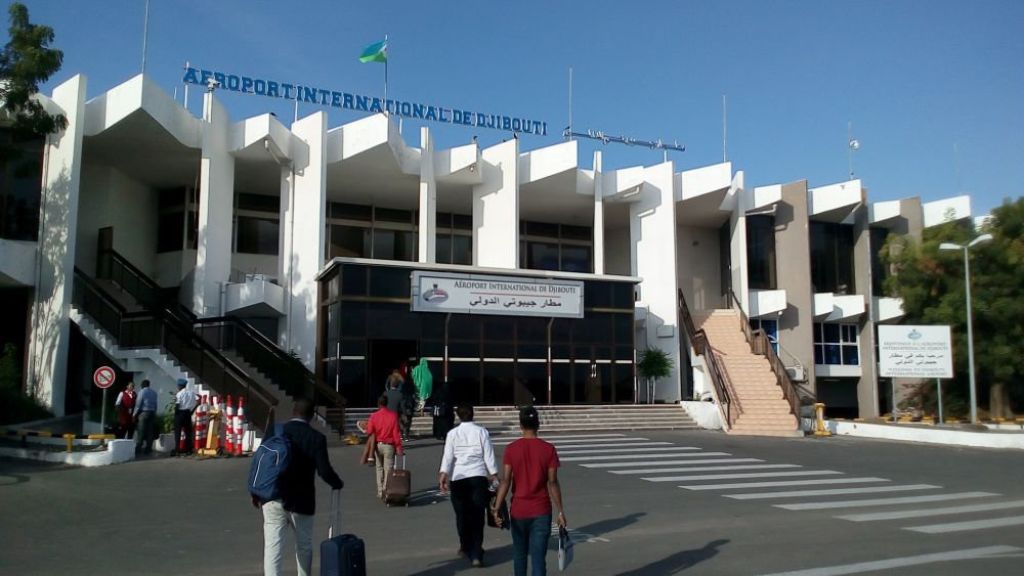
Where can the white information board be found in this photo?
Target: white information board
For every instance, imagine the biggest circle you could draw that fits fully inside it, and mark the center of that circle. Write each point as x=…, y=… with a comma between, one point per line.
x=504, y=295
x=915, y=352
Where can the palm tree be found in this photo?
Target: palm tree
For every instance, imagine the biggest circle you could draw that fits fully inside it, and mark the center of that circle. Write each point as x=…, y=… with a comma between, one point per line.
x=654, y=364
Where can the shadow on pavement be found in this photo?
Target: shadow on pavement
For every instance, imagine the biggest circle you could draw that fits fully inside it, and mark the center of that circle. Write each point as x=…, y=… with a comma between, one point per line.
x=682, y=560
x=492, y=557
x=602, y=527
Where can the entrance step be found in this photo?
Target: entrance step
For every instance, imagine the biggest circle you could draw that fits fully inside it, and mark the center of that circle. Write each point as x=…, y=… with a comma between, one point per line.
x=504, y=420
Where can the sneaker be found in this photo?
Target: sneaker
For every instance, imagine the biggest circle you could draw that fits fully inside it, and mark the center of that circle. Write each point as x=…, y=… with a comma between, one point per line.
x=478, y=563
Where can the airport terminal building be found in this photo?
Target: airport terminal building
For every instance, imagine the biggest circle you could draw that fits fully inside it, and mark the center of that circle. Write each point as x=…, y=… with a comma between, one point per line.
x=171, y=244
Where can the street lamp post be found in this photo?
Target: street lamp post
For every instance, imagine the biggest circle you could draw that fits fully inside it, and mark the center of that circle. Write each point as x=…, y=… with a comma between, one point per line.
x=970, y=332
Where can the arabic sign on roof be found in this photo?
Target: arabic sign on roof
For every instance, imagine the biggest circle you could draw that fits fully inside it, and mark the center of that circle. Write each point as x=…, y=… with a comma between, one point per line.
x=502, y=295
x=915, y=352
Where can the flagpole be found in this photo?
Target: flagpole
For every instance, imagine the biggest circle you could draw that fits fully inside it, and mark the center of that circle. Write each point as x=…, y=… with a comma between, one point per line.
x=386, y=74
x=184, y=100
x=570, y=103
x=145, y=37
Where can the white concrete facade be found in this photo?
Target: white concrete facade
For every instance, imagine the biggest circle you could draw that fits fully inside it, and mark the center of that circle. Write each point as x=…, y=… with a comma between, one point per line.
x=672, y=231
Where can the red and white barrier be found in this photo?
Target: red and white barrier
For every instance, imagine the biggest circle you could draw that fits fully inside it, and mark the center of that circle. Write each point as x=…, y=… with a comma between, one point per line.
x=239, y=426
x=229, y=421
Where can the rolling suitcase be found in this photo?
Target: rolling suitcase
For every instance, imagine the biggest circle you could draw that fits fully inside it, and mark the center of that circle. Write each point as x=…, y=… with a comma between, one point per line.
x=398, y=485
x=343, y=555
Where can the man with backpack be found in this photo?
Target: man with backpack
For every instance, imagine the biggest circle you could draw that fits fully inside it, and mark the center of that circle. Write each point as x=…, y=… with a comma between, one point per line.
x=282, y=485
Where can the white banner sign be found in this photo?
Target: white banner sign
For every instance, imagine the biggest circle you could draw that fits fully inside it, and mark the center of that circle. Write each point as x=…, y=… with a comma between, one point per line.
x=504, y=295
x=915, y=352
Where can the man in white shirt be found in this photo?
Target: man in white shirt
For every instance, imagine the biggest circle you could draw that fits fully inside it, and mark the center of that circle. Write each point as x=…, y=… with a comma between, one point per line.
x=467, y=468
x=186, y=402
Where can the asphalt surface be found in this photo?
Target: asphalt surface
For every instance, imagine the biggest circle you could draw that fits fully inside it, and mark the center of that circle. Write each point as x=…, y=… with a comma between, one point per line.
x=181, y=516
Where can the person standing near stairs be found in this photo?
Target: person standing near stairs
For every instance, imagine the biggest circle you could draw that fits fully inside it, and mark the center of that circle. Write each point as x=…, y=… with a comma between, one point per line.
x=185, y=404
x=145, y=417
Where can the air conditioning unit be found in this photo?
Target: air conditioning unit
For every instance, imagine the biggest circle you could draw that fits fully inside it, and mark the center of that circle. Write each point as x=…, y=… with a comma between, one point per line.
x=796, y=373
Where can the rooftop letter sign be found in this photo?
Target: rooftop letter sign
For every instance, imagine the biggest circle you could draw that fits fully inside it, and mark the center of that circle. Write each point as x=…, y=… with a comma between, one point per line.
x=349, y=101
x=503, y=295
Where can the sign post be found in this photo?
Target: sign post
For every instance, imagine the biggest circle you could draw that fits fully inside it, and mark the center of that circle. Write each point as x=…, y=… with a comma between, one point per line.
x=915, y=352
x=103, y=378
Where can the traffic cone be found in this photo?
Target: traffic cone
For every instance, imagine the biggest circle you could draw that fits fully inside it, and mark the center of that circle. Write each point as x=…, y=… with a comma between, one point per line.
x=239, y=428
x=200, y=427
x=229, y=419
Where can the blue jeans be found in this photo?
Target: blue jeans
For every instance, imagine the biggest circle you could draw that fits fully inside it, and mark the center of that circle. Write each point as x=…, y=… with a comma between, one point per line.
x=530, y=536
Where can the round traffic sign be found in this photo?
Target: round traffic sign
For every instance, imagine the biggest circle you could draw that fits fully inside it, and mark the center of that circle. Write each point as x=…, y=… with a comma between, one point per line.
x=103, y=377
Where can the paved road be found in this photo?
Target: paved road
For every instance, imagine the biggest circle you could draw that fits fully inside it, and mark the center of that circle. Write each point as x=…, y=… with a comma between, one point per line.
x=639, y=504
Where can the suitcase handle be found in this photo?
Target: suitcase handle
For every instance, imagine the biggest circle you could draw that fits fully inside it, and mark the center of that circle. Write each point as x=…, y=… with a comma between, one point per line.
x=335, y=508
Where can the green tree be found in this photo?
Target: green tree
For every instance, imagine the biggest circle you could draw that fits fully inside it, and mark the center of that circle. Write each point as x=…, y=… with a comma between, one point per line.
x=931, y=284
x=26, y=61
x=654, y=364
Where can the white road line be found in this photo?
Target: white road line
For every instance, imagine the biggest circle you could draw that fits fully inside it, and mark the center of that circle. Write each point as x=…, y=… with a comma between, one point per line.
x=884, y=501
x=628, y=456
x=576, y=439
x=832, y=492
x=815, y=482
x=672, y=462
x=571, y=447
x=624, y=450
x=932, y=511
x=969, y=525
x=705, y=468
x=730, y=476
x=891, y=563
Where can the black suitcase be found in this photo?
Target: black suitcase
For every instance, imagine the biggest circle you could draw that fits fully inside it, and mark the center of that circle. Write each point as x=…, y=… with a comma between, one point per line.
x=343, y=555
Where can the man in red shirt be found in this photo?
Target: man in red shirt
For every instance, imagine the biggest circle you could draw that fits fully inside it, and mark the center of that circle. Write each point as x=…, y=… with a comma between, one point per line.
x=530, y=465
x=385, y=440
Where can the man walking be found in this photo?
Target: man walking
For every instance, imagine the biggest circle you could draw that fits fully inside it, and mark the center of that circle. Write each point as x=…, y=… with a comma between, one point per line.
x=530, y=466
x=295, y=509
x=185, y=404
x=466, y=467
x=145, y=416
x=383, y=443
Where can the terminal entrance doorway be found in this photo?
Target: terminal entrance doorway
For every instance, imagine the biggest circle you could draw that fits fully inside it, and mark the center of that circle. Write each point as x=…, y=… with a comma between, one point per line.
x=385, y=356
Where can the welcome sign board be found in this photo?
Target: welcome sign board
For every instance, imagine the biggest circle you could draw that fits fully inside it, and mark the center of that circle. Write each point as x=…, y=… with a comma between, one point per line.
x=915, y=352
x=500, y=295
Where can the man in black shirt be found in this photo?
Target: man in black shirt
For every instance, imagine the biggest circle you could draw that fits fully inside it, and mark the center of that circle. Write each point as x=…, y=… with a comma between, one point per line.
x=295, y=509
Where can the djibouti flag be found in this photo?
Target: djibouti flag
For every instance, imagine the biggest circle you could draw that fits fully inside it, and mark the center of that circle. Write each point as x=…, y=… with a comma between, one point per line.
x=376, y=52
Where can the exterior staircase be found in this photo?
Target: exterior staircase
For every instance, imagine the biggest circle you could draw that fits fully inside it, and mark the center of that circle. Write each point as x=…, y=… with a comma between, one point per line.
x=763, y=409
x=504, y=420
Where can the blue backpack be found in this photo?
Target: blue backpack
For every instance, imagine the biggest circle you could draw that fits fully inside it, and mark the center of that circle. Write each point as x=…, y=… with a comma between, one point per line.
x=268, y=463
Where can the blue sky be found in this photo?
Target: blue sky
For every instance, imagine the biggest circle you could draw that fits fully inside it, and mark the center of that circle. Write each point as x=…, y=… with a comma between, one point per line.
x=916, y=77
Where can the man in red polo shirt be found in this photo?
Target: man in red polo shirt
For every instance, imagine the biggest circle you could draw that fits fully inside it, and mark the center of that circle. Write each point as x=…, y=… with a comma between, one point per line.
x=530, y=465
x=385, y=439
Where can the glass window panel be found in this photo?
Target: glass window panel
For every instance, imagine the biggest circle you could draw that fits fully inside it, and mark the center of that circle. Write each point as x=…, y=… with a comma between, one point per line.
x=462, y=249
x=831, y=332
x=433, y=348
x=622, y=382
x=542, y=229
x=624, y=353
x=561, y=383
x=351, y=211
x=353, y=280
x=542, y=256
x=500, y=328
x=533, y=378
x=351, y=381
x=443, y=219
x=462, y=221
x=576, y=258
x=443, y=248
x=388, y=282
x=577, y=232
x=622, y=295
x=597, y=294
x=464, y=382
x=256, y=235
x=532, y=329
x=851, y=356
x=493, y=349
x=394, y=245
x=561, y=351
x=170, y=199
x=353, y=319
x=170, y=234
x=392, y=215
x=833, y=354
x=761, y=252
x=259, y=203
x=464, y=327
x=536, y=351
x=353, y=347
x=349, y=241
x=819, y=354
x=463, y=349
x=432, y=326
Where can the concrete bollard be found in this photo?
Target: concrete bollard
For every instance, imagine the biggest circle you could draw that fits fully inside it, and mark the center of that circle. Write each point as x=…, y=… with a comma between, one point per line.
x=819, y=422
x=70, y=439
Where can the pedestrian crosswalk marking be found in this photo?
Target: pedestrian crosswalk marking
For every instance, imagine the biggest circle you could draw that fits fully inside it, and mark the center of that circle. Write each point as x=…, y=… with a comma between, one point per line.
x=705, y=468
x=890, y=564
x=968, y=525
x=625, y=450
x=730, y=476
x=831, y=492
x=883, y=501
x=577, y=439
x=773, y=484
x=632, y=445
x=904, y=514
x=672, y=462
x=632, y=456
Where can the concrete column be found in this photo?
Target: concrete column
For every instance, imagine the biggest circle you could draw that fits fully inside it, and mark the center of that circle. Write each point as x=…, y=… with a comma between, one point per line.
x=738, y=242
x=793, y=265
x=286, y=184
x=58, y=227
x=598, y=215
x=496, y=208
x=216, y=200
x=652, y=231
x=428, y=199
x=306, y=259
x=867, y=386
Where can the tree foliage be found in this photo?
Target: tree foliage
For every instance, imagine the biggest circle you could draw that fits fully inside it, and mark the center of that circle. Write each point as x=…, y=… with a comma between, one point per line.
x=26, y=61
x=931, y=283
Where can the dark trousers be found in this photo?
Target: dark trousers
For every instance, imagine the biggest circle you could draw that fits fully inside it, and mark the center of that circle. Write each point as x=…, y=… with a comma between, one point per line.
x=183, y=420
x=147, y=424
x=469, y=499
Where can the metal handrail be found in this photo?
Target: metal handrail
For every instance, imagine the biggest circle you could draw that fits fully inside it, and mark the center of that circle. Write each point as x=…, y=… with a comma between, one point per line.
x=728, y=403
x=762, y=346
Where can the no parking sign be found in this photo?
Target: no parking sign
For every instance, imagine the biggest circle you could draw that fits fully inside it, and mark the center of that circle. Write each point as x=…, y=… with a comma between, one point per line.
x=104, y=377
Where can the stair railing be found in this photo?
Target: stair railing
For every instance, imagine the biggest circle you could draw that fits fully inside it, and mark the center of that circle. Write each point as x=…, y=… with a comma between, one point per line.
x=762, y=346
x=728, y=402
x=152, y=330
